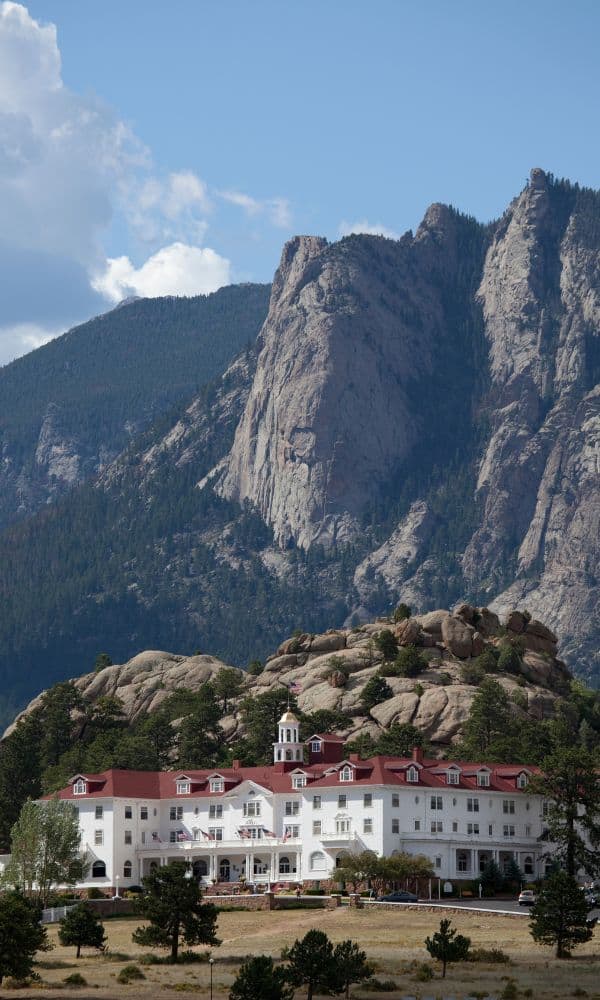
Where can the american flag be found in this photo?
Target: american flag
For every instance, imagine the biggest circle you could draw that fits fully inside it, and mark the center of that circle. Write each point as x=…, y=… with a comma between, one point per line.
x=208, y=836
x=287, y=834
x=269, y=833
x=183, y=836
x=294, y=687
x=155, y=836
x=244, y=833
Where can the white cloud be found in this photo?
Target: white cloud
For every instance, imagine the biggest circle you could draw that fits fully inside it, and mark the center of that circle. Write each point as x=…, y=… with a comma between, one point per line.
x=174, y=270
x=370, y=228
x=21, y=338
x=277, y=210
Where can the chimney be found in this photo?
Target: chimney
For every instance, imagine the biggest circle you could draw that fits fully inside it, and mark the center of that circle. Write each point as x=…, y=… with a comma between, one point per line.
x=417, y=755
x=354, y=758
x=236, y=765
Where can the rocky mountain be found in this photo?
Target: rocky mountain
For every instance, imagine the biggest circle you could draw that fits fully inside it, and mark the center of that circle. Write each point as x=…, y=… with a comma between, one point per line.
x=69, y=409
x=417, y=420
x=330, y=672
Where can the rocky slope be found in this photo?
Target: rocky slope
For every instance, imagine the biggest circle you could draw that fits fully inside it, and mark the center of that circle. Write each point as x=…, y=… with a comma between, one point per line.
x=330, y=671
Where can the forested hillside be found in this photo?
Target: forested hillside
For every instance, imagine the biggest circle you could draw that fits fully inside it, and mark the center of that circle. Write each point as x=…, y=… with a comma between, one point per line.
x=71, y=406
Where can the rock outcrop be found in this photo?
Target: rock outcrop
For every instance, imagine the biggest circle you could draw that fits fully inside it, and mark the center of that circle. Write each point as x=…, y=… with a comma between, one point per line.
x=330, y=671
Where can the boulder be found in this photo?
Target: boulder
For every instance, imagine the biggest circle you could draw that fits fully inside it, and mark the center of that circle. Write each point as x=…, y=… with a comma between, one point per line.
x=277, y=663
x=432, y=622
x=407, y=631
x=534, y=627
x=478, y=644
x=328, y=643
x=467, y=612
x=488, y=623
x=458, y=637
x=516, y=622
x=337, y=679
x=295, y=644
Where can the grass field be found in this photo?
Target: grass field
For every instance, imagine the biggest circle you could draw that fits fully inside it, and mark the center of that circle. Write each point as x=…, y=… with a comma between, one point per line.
x=392, y=939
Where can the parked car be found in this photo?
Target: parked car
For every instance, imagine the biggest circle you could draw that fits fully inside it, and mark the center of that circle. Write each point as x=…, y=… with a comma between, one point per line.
x=590, y=898
x=399, y=897
x=527, y=897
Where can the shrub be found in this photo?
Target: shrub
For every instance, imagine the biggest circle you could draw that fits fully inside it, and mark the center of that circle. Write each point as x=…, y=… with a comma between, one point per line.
x=130, y=974
x=402, y=611
x=423, y=973
x=255, y=668
x=387, y=644
x=419, y=690
x=492, y=956
x=410, y=662
x=488, y=660
x=444, y=678
x=375, y=985
x=510, y=991
x=95, y=893
x=75, y=979
x=472, y=673
x=519, y=698
x=375, y=691
x=509, y=661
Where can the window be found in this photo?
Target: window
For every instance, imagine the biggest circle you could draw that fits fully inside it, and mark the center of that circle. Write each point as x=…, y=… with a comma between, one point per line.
x=462, y=862
x=483, y=779
x=299, y=781
x=508, y=807
x=251, y=808
x=368, y=825
x=527, y=830
x=292, y=808
x=367, y=800
x=342, y=826
x=545, y=809
x=490, y=829
x=143, y=812
x=315, y=746
x=522, y=780
x=143, y=836
x=318, y=861
x=98, y=869
x=473, y=805
x=216, y=784
x=291, y=832
x=436, y=802
x=127, y=869
x=128, y=812
x=528, y=866
x=395, y=801
x=215, y=832
x=98, y=837
x=215, y=811
x=128, y=837
x=346, y=774
x=412, y=774
x=342, y=801
x=183, y=788
x=316, y=827
x=395, y=826
x=176, y=812
x=99, y=812
x=80, y=787
x=173, y=837
x=438, y=861
x=436, y=826
x=455, y=827
x=508, y=830
x=316, y=801
x=452, y=777
x=473, y=828
x=284, y=865
x=417, y=824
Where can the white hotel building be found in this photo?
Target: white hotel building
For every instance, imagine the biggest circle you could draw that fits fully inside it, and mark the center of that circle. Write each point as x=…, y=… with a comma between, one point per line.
x=291, y=821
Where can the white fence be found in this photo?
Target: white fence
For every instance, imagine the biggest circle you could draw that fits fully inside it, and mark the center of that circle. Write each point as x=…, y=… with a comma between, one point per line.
x=55, y=913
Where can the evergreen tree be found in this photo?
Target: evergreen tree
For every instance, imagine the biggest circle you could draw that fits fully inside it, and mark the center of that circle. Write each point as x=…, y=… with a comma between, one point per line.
x=401, y=612
x=201, y=738
x=260, y=716
x=569, y=783
x=400, y=739
x=447, y=945
x=559, y=916
x=489, y=719
x=57, y=707
x=173, y=905
x=351, y=966
x=513, y=876
x=102, y=660
x=20, y=773
x=227, y=684
x=387, y=644
x=375, y=691
x=410, y=662
x=82, y=927
x=491, y=878
x=259, y=979
x=21, y=936
x=312, y=963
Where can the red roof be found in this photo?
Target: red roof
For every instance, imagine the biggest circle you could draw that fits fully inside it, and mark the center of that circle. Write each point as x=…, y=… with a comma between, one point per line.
x=278, y=778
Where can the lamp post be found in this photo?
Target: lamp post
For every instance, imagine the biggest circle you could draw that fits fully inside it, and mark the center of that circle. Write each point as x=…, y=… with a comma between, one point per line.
x=211, y=962
x=117, y=884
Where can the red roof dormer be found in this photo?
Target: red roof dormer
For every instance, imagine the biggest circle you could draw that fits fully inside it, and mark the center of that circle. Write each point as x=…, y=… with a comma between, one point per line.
x=325, y=748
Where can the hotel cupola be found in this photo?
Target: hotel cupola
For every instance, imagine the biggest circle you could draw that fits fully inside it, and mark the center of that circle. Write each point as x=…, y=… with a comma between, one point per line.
x=288, y=746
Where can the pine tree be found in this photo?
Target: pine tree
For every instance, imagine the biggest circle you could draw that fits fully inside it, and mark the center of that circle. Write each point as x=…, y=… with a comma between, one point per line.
x=21, y=936
x=173, y=905
x=82, y=927
x=447, y=945
x=259, y=979
x=489, y=719
x=559, y=916
x=375, y=691
x=351, y=965
x=311, y=963
x=569, y=782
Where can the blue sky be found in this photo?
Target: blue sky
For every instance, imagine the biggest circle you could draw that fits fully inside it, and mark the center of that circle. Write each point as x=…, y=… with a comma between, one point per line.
x=153, y=148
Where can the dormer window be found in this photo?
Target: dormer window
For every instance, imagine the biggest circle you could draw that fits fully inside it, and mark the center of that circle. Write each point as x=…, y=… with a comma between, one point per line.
x=346, y=774
x=183, y=788
x=298, y=780
x=452, y=777
x=315, y=746
x=522, y=780
x=412, y=774
x=483, y=779
x=80, y=787
x=216, y=784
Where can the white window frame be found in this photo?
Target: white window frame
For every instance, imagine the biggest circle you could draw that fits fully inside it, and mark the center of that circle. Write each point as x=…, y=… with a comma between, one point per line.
x=215, y=810
x=368, y=824
x=99, y=812
x=298, y=781
x=412, y=775
x=472, y=805
x=98, y=838
x=316, y=802
x=522, y=780
x=395, y=826
x=317, y=827
x=346, y=773
x=79, y=787
x=217, y=784
x=483, y=779
x=183, y=787
x=452, y=777
x=315, y=746
x=508, y=807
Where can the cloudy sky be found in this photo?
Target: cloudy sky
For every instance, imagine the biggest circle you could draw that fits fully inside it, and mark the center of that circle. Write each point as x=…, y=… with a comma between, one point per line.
x=151, y=149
